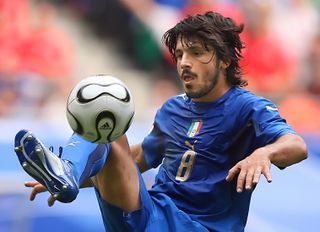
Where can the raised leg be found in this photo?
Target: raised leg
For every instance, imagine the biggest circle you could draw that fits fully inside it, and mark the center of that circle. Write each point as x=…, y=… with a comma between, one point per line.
x=44, y=166
x=118, y=180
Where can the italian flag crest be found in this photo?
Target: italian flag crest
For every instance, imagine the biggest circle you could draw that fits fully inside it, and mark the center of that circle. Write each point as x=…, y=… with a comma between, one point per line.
x=194, y=128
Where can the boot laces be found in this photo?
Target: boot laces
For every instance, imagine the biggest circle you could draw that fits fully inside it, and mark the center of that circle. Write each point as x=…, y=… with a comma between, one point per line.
x=60, y=150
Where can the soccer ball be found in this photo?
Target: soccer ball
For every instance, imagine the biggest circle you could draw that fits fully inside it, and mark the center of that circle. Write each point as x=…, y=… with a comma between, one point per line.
x=100, y=108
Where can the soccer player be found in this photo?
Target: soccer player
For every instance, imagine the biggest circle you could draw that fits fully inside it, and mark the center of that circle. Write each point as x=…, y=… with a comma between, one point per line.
x=211, y=144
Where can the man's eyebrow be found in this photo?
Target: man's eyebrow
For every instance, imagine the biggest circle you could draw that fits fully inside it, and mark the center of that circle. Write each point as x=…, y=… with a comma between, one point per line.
x=191, y=47
x=193, y=44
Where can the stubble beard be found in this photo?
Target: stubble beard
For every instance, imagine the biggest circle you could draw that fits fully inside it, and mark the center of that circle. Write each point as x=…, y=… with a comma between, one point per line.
x=203, y=91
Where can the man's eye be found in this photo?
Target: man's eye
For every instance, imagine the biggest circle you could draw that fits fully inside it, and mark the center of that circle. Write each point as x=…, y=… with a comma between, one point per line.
x=178, y=56
x=197, y=53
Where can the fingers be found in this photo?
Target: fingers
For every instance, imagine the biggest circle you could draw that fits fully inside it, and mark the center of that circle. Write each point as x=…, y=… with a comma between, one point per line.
x=232, y=173
x=256, y=176
x=30, y=183
x=241, y=181
x=251, y=179
x=248, y=175
x=267, y=174
x=51, y=201
x=243, y=177
x=36, y=189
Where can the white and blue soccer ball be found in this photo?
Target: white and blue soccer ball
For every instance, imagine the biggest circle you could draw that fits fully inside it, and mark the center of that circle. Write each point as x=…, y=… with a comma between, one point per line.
x=100, y=108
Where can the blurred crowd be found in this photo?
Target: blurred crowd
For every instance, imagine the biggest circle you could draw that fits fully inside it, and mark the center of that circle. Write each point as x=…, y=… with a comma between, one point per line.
x=281, y=58
x=36, y=58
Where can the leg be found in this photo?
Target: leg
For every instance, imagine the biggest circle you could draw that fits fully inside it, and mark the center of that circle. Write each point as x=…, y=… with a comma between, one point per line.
x=125, y=202
x=118, y=180
x=62, y=177
x=86, y=158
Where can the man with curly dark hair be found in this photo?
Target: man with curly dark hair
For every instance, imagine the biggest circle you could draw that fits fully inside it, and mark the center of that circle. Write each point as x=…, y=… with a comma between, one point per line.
x=211, y=145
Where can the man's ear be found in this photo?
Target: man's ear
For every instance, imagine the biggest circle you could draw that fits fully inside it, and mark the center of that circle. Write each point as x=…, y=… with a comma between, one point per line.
x=224, y=65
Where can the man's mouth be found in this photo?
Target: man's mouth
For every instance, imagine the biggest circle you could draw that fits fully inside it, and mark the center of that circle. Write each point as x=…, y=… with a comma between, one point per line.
x=188, y=77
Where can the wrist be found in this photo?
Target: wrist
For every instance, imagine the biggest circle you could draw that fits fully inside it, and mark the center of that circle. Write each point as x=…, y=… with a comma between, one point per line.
x=268, y=152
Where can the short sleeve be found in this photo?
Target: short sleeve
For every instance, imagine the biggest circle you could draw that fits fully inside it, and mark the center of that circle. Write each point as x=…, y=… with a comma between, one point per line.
x=153, y=145
x=268, y=123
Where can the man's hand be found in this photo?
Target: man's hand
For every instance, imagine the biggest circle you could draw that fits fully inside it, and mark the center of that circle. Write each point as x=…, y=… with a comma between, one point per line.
x=38, y=188
x=250, y=169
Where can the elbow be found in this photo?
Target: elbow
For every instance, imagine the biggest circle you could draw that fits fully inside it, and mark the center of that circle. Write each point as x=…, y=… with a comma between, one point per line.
x=305, y=153
x=296, y=151
x=303, y=148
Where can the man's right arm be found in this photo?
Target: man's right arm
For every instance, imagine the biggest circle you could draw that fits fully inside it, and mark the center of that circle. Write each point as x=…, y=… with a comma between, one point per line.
x=138, y=155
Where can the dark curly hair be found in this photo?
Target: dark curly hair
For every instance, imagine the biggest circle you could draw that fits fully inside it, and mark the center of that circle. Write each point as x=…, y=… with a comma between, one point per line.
x=213, y=30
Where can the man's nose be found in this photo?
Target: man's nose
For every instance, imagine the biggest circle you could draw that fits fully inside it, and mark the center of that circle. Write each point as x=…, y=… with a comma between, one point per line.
x=185, y=62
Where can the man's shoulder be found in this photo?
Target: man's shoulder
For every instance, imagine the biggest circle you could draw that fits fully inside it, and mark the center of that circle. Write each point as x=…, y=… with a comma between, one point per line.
x=241, y=95
x=176, y=100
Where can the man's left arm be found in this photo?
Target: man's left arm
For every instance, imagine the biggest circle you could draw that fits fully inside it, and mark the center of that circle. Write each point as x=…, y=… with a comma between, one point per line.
x=285, y=151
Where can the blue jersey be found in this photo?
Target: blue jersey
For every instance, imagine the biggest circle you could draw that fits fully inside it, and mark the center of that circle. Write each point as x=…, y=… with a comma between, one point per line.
x=197, y=143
